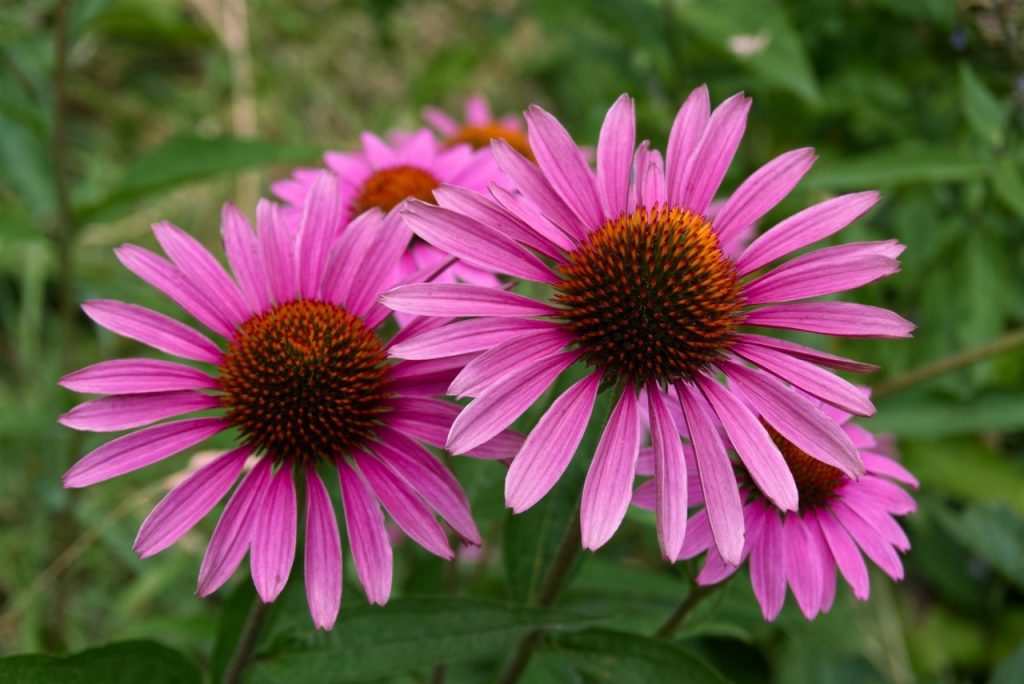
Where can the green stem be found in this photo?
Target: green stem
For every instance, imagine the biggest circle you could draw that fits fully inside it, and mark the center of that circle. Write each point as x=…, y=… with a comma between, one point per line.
x=678, y=617
x=948, y=364
x=242, y=654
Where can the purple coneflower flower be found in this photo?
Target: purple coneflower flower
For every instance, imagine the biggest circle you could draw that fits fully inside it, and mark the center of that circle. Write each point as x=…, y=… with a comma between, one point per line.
x=480, y=127
x=644, y=292
x=838, y=518
x=304, y=380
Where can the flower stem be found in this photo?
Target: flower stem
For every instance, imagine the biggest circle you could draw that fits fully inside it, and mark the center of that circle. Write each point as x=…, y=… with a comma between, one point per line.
x=676, y=620
x=242, y=654
x=948, y=364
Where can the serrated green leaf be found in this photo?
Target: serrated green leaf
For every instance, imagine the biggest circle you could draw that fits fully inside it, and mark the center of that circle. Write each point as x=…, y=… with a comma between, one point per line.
x=900, y=166
x=127, y=662
x=985, y=114
x=603, y=655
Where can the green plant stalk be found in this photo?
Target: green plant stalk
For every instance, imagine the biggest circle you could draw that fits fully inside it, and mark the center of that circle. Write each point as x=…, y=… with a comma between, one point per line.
x=242, y=654
x=678, y=617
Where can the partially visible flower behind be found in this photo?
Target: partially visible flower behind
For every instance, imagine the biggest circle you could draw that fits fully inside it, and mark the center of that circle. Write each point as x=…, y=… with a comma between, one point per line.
x=645, y=293
x=838, y=519
x=479, y=127
x=302, y=378
x=384, y=174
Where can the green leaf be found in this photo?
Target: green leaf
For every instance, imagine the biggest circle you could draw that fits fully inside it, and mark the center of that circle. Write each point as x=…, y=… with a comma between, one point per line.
x=604, y=655
x=941, y=465
x=935, y=417
x=1011, y=670
x=1008, y=184
x=985, y=114
x=406, y=635
x=995, y=533
x=184, y=160
x=900, y=166
x=128, y=662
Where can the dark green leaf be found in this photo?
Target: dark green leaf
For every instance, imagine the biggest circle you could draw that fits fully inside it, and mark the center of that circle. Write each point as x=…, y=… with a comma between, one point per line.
x=1011, y=670
x=942, y=465
x=1009, y=186
x=995, y=533
x=128, y=662
x=937, y=417
x=900, y=166
x=985, y=114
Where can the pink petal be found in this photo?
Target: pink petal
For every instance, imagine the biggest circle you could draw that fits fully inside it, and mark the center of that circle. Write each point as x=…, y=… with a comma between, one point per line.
x=392, y=241
x=653, y=190
x=323, y=554
x=367, y=535
x=242, y=249
x=832, y=318
x=349, y=253
x=756, y=449
x=461, y=337
x=615, y=155
x=714, y=154
x=189, y=502
x=457, y=299
x=321, y=221
x=508, y=357
x=807, y=354
x=805, y=228
x=764, y=189
x=140, y=449
x=859, y=500
x=497, y=407
x=645, y=496
x=808, y=377
x=478, y=112
x=124, y=412
x=767, y=565
x=153, y=329
x=428, y=378
x=163, y=276
x=278, y=250
x=233, y=533
x=377, y=151
x=796, y=419
x=550, y=445
x=698, y=536
x=131, y=376
x=608, y=487
x=818, y=273
x=503, y=446
x=520, y=207
x=564, y=166
x=721, y=494
x=882, y=465
x=846, y=555
x=670, y=476
x=870, y=541
x=404, y=506
x=828, y=563
x=687, y=131
x=273, y=539
x=445, y=124
x=803, y=569
x=428, y=420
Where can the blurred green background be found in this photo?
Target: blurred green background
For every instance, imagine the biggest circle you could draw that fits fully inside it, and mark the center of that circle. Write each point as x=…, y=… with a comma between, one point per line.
x=168, y=108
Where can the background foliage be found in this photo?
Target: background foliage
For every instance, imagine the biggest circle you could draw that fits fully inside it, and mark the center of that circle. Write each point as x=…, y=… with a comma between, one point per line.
x=175, y=106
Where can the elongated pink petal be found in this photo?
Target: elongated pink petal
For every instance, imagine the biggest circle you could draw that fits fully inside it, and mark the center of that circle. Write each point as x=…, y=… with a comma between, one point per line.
x=832, y=318
x=278, y=251
x=440, y=120
x=807, y=354
x=721, y=494
x=404, y=506
x=474, y=242
x=645, y=496
x=765, y=188
x=136, y=376
x=323, y=554
x=767, y=569
x=461, y=337
x=614, y=155
x=426, y=419
x=803, y=569
x=447, y=299
x=431, y=480
x=321, y=221
x=163, y=276
x=140, y=449
x=508, y=357
x=714, y=154
x=698, y=536
x=828, y=563
x=755, y=447
x=670, y=476
x=348, y=255
x=870, y=541
x=653, y=190
x=233, y=533
x=532, y=217
x=243, y=252
x=687, y=131
x=608, y=487
x=883, y=465
x=715, y=569
x=846, y=555
x=152, y=329
x=377, y=151
x=391, y=240
x=426, y=378
x=808, y=377
x=367, y=536
x=503, y=402
x=805, y=228
x=189, y=502
x=797, y=419
x=564, y=166
x=550, y=445
x=273, y=540
x=862, y=504
x=821, y=276
x=124, y=412
x=503, y=446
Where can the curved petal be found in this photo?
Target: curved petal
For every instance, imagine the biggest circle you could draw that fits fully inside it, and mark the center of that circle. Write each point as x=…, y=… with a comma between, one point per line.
x=463, y=337
x=111, y=414
x=153, y=329
x=458, y=299
x=832, y=318
x=799, y=351
x=687, y=130
x=273, y=544
x=243, y=252
x=846, y=555
x=803, y=569
x=277, y=247
x=323, y=554
x=508, y=357
x=615, y=155
x=714, y=154
x=870, y=541
x=820, y=274
x=767, y=565
x=367, y=536
x=136, y=376
x=670, y=476
x=321, y=221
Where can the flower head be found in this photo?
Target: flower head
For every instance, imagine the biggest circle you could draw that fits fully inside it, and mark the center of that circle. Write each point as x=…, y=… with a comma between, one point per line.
x=838, y=519
x=645, y=290
x=480, y=127
x=303, y=379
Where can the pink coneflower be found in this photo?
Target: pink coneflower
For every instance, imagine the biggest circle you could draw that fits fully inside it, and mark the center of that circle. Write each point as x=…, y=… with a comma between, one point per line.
x=304, y=380
x=644, y=294
x=838, y=518
x=480, y=127
x=385, y=174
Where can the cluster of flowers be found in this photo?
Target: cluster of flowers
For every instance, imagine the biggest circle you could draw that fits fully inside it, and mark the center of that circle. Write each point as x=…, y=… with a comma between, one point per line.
x=651, y=293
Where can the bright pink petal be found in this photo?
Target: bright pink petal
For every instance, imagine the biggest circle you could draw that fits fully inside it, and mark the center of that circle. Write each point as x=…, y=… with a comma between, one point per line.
x=273, y=539
x=653, y=189
x=445, y=124
x=233, y=533
x=805, y=228
x=550, y=445
x=243, y=252
x=278, y=251
x=832, y=318
x=502, y=447
x=803, y=569
x=461, y=337
x=341, y=275
x=377, y=151
x=152, y=329
x=323, y=554
x=698, y=536
x=124, y=412
x=189, y=502
x=508, y=357
x=564, y=166
x=385, y=251
x=870, y=541
x=426, y=419
x=615, y=155
x=828, y=563
x=497, y=407
x=140, y=449
x=457, y=299
x=873, y=512
x=367, y=536
x=807, y=354
x=687, y=131
x=846, y=555
x=136, y=376
x=882, y=465
x=767, y=565
x=670, y=476
x=818, y=273
x=520, y=207
x=321, y=221
x=608, y=487
x=714, y=154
